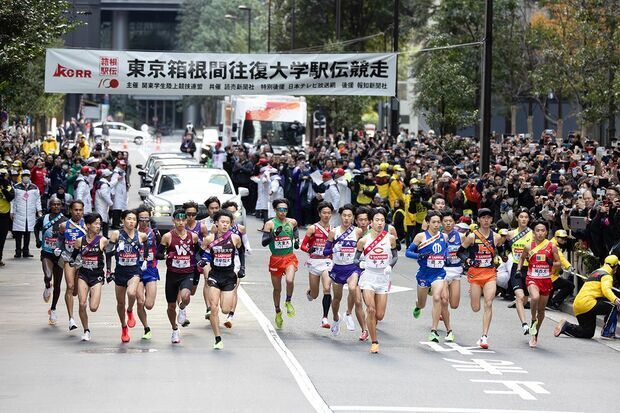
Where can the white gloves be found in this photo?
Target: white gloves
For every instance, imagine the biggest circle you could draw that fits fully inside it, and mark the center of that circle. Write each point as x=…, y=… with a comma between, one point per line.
x=387, y=270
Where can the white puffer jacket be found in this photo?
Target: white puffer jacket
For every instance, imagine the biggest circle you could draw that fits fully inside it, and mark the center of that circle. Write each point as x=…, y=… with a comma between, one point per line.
x=103, y=200
x=25, y=206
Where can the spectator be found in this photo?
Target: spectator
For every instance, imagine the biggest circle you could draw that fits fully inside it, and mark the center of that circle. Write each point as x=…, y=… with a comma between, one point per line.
x=188, y=145
x=25, y=208
x=7, y=193
x=119, y=186
x=82, y=190
x=103, y=200
x=39, y=175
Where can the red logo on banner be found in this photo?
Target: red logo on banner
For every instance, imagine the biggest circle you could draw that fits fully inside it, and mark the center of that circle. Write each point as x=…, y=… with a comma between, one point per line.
x=108, y=83
x=108, y=66
x=62, y=71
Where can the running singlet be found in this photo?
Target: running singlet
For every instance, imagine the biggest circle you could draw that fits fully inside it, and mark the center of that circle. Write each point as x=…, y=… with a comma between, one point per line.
x=453, y=240
x=223, y=255
x=438, y=250
x=128, y=255
x=73, y=231
x=281, y=244
x=378, y=258
x=50, y=234
x=344, y=249
x=539, y=267
x=151, y=261
x=519, y=244
x=198, y=230
x=482, y=253
x=92, y=256
x=318, y=241
x=179, y=253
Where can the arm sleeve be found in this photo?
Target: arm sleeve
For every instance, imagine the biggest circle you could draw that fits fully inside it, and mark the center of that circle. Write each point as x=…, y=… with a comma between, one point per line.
x=463, y=253
x=412, y=251
x=394, y=257
x=161, y=252
x=358, y=257
x=38, y=226
x=246, y=242
x=267, y=236
x=241, y=252
x=329, y=246
x=606, y=285
x=305, y=244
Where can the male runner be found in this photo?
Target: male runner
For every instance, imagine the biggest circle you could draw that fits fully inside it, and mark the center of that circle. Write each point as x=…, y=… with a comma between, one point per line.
x=518, y=239
x=71, y=230
x=127, y=246
x=454, y=270
x=431, y=251
x=199, y=228
x=542, y=256
x=282, y=235
x=378, y=248
x=89, y=257
x=47, y=236
x=477, y=252
x=318, y=264
x=213, y=205
x=178, y=247
x=147, y=288
x=220, y=249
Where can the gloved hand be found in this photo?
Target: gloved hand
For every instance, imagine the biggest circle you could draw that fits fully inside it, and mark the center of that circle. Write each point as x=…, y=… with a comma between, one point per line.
x=143, y=266
x=503, y=232
x=362, y=264
x=296, y=244
x=241, y=272
x=109, y=277
x=311, y=250
x=278, y=231
x=57, y=252
x=423, y=255
x=201, y=263
x=387, y=270
x=37, y=243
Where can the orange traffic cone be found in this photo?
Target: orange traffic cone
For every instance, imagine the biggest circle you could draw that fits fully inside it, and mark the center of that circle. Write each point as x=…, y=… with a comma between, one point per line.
x=125, y=144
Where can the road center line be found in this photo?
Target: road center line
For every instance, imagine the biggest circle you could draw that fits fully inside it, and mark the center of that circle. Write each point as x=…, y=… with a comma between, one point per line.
x=432, y=410
x=300, y=375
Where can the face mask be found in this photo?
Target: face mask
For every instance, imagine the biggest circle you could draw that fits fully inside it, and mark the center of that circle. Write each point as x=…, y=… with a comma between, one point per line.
x=26, y=180
x=65, y=167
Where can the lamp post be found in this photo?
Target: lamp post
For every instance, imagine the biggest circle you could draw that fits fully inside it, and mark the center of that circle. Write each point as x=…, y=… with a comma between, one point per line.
x=269, y=27
x=249, y=10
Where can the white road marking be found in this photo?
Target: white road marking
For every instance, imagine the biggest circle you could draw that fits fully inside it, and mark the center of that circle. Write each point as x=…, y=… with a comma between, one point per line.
x=433, y=410
x=299, y=374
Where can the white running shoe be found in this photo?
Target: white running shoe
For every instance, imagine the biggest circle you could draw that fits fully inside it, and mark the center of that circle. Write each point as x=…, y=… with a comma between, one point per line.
x=47, y=293
x=525, y=329
x=53, y=317
x=483, y=342
x=336, y=327
x=176, y=337
x=72, y=325
x=86, y=336
x=350, y=322
x=181, y=317
x=325, y=323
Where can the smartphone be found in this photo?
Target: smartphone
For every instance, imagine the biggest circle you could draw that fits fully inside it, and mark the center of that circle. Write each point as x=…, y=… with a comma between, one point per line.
x=578, y=223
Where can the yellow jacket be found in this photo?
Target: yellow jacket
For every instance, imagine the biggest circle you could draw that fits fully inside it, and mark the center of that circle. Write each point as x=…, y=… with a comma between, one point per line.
x=417, y=217
x=563, y=261
x=85, y=151
x=382, y=180
x=396, y=189
x=597, y=285
x=50, y=147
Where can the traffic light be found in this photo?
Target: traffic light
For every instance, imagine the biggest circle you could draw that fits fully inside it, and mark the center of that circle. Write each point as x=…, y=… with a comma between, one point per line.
x=318, y=119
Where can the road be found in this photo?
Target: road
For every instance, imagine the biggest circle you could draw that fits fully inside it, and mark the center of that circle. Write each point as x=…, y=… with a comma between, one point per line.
x=301, y=368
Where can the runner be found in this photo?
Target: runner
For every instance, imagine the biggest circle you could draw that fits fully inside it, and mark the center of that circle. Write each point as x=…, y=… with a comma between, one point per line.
x=199, y=228
x=126, y=245
x=47, y=236
x=454, y=270
x=319, y=265
x=213, y=205
x=218, y=260
x=378, y=248
x=240, y=230
x=71, y=229
x=282, y=235
x=518, y=239
x=147, y=288
x=543, y=257
x=178, y=247
x=477, y=252
x=89, y=258
x=431, y=251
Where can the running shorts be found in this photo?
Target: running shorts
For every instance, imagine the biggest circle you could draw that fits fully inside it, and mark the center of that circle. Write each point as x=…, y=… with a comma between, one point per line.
x=545, y=285
x=123, y=279
x=176, y=282
x=340, y=274
x=50, y=256
x=223, y=281
x=453, y=273
x=91, y=277
x=279, y=263
x=316, y=266
x=196, y=275
x=149, y=275
x=426, y=280
x=481, y=276
x=517, y=278
x=375, y=281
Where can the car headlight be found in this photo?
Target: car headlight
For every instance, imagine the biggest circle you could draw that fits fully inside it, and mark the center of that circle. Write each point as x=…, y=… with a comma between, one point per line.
x=162, y=210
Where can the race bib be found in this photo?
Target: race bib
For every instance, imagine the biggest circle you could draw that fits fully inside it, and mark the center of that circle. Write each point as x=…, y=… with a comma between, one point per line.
x=90, y=263
x=541, y=272
x=485, y=262
x=150, y=256
x=50, y=243
x=435, y=261
x=222, y=260
x=377, y=261
x=127, y=260
x=182, y=262
x=452, y=257
x=69, y=244
x=282, y=243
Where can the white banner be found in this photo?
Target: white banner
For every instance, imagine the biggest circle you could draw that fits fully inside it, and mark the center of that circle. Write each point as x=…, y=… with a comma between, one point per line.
x=164, y=73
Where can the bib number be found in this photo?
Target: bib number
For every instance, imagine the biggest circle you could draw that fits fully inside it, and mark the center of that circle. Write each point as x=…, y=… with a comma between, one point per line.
x=435, y=261
x=282, y=243
x=90, y=263
x=183, y=262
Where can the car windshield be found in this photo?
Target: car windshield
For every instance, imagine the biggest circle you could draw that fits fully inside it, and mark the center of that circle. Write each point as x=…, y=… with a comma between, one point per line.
x=173, y=161
x=277, y=133
x=190, y=180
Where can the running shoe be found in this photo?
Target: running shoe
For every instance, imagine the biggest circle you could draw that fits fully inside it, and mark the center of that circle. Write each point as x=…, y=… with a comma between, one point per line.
x=147, y=336
x=72, y=325
x=450, y=337
x=525, y=328
x=483, y=342
x=279, y=320
x=86, y=336
x=228, y=322
x=181, y=317
x=364, y=335
x=47, y=293
x=350, y=322
x=336, y=327
x=416, y=312
x=176, y=337
x=219, y=346
x=533, y=341
x=290, y=310
x=53, y=317
x=533, y=328
x=559, y=328
x=208, y=314
x=131, y=320
x=325, y=323
x=308, y=296
x=186, y=323
x=374, y=348
x=433, y=336
x=125, y=334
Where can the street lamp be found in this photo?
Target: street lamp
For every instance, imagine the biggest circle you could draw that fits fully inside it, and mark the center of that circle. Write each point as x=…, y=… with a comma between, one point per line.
x=249, y=10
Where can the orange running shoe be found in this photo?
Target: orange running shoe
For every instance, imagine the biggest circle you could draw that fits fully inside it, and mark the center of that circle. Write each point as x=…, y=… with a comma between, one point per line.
x=131, y=320
x=125, y=334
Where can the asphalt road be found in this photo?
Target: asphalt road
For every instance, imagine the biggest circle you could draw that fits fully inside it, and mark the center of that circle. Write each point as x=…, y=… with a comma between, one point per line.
x=300, y=368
